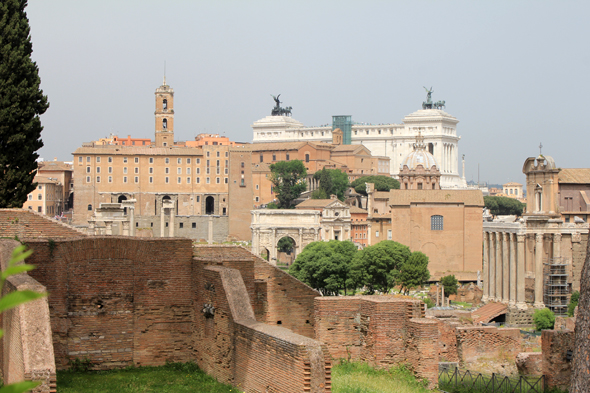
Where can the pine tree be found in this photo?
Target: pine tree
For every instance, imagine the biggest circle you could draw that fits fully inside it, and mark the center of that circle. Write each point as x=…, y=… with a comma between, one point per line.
x=21, y=104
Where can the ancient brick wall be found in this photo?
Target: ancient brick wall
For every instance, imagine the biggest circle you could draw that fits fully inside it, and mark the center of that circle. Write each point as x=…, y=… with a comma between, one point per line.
x=478, y=342
x=447, y=342
x=26, y=224
x=117, y=301
x=556, y=368
x=529, y=363
x=376, y=329
x=26, y=350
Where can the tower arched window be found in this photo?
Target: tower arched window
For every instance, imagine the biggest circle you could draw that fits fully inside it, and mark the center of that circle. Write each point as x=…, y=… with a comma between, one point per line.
x=165, y=123
x=436, y=223
x=165, y=104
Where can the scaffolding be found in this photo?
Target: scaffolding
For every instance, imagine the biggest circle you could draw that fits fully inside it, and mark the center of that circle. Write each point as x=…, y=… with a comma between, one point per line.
x=557, y=287
x=345, y=124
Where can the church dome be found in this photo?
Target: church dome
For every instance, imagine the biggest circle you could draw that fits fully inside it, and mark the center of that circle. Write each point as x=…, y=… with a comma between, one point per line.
x=420, y=156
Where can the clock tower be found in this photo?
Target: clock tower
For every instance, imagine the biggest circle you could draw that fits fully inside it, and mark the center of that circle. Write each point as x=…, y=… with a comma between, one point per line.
x=164, y=116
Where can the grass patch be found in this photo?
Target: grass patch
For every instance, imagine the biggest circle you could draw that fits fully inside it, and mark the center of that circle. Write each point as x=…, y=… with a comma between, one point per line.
x=354, y=377
x=171, y=378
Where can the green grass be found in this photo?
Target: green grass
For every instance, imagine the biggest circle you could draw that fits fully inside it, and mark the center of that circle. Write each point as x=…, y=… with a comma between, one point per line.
x=353, y=377
x=171, y=378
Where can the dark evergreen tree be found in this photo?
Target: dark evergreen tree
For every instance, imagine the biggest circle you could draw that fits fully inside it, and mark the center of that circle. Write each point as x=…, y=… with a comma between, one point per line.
x=21, y=104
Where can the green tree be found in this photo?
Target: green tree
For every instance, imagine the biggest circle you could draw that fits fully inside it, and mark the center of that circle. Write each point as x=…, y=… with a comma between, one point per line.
x=21, y=104
x=325, y=266
x=413, y=272
x=286, y=244
x=382, y=183
x=288, y=179
x=377, y=266
x=503, y=206
x=571, y=307
x=544, y=319
x=450, y=284
x=332, y=182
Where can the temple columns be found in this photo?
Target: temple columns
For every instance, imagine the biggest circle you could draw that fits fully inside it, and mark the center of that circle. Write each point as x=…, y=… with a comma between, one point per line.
x=486, y=265
x=538, y=271
x=171, y=225
x=492, y=273
x=131, y=220
x=125, y=228
x=512, y=262
x=505, y=267
x=498, y=267
x=556, y=245
x=520, y=287
x=162, y=222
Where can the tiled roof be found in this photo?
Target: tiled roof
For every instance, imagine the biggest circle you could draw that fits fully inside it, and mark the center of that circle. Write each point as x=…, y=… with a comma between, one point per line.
x=27, y=224
x=357, y=210
x=488, y=312
x=55, y=166
x=405, y=197
x=574, y=175
x=310, y=203
x=261, y=167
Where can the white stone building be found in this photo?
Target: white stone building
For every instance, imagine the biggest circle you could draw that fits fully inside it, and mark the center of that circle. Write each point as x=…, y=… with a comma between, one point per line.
x=395, y=141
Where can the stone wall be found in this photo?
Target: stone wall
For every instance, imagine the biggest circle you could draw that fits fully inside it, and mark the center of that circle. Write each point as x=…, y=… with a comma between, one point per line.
x=556, y=368
x=475, y=343
x=447, y=342
x=26, y=349
x=380, y=330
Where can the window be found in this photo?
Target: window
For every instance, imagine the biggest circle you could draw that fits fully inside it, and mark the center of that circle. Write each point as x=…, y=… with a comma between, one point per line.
x=207, y=163
x=98, y=179
x=178, y=170
x=436, y=223
x=226, y=171
x=87, y=169
x=198, y=160
x=180, y=225
x=165, y=123
x=188, y=180
x=97, y=169
x=178, y=180
x=188, y=171
x=198, y=198
x=167, y=170
x=110, y=179
x=256, y=199
x=151, y=160
x=419, y=186
x=226, y=163
x=287, y=156
x=389, y=234
x=136, y=179
x=39, y=196
x=227, y=154
x=194, y=225
x=198, y=171
x=40, y=187
x=151, y=179
x=166, y=180
x=217, y=171
x=225, y=180
x=179, y=160
x=257, y=186
x=217, y=180
x=207, y=181
x=198, y=180
x=80, y=159
x=39, y=209
x=30, y=197
x=89, y=208
x=165, y=104
x=167, y=160
x=124, y=179
x=376, y=232
x=136, y=160
x=261, y=158
x=208, y=170
x=307, y=157
x=218, y=156
x=124, y=160
x=124, y=169
x=87, y=159
x=87, y=179
x=274, y=157
x=207, y=156
x=97, y=158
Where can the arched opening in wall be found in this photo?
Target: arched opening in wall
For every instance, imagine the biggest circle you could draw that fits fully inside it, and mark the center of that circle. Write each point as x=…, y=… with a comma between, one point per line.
x=209, y=205
x=265, y=254
x=165, y=104
x=166, y=198
x=165, y=124
x=120, y=200
x=286, y=250
x=431, y=148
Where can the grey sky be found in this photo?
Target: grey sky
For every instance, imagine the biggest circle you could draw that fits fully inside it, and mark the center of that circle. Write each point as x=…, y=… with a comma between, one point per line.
x=514, y=73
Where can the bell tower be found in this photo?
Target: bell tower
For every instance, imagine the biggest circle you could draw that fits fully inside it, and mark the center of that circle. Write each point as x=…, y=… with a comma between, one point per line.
x=164, y=115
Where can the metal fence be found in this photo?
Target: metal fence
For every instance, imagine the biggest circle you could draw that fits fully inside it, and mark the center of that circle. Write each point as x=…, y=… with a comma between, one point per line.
x=467, y=381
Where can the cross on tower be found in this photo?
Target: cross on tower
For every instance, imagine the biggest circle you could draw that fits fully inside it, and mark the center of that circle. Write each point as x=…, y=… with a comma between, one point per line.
x=540, y=147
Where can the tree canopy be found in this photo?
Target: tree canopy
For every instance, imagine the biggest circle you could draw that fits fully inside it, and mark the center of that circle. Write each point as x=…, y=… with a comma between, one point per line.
x=332, y=182
x=413, y=272
x=21, y=104
x=288, y=179
x=325, y=266
x=382, y=183
x=450, y=284
x=377, y=266
x=503, y=206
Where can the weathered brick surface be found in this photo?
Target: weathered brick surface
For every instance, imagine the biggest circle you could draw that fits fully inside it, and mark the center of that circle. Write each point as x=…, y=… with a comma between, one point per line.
x=26, y=350
x=375, y=329
x=529, y=363
x=556, y=368
x=27, y=224
x=478, y=342
x=447, y=342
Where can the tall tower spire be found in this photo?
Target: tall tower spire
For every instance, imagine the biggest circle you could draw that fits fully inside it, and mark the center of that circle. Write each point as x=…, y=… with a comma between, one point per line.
x=164, y=115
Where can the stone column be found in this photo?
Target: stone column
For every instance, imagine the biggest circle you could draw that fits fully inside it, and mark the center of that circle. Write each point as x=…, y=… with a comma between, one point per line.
x=131, y=220
x=125, y=228
x=442, y=294
x=498, y=266
x=486, y=265
x=316, y=236
x=505, y=267
x=91, y=228
x=210, y=231
x=492, y=273
x=255, y=241
x=437, y=293
x=273, y=248
x=162, y=222
x=556, y=245
x=520, y=286
x=539, y=271
x=108, y=227
x=300, y=242
x=512, y=287
x=172, y=214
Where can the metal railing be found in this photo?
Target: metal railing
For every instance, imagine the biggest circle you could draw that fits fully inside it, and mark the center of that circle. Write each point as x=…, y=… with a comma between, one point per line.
x=468, y=381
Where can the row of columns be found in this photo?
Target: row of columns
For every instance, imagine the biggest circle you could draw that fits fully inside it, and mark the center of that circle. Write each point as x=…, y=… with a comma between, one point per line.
x=504, y=267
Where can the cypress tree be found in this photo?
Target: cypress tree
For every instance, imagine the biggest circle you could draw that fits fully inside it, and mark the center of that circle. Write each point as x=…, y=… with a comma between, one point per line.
x=21, y=104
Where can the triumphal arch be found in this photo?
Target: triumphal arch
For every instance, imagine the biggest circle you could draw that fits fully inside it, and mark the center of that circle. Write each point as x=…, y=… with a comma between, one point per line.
x=269, y=226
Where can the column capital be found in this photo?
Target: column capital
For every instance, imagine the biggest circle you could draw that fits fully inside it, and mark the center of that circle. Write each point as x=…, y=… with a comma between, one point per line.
x=486, y=235
x=505, y=236
x=520, y=237
x=557, y=237
x=539, y=237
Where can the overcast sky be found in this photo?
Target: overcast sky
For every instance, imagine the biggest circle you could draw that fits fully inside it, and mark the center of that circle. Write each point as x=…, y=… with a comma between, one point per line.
x=514, y=73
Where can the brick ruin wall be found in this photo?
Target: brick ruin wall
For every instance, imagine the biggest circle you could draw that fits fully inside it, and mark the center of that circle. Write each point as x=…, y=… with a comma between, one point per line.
x=381, y=330
x=122, y=301
x=482, y=342
x=26, y=350
x=556, y=368
x=447, y=343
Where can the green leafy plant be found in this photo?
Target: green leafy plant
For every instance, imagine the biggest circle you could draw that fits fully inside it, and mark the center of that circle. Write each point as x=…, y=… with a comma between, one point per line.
x=544, y=319
x=14, y=299
x=450, y=283
x=382, y=183
x=571, y=307
x=429, y=303
x=80, y=365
